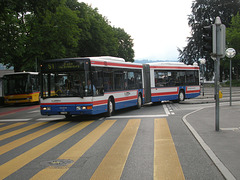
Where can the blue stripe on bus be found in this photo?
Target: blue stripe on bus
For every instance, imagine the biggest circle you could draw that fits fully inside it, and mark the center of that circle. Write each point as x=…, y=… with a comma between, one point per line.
x=191, y=95
x=164, y=98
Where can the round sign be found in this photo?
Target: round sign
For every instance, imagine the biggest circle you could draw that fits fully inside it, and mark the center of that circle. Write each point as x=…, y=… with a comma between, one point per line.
x=202, y=61
x=230, y=52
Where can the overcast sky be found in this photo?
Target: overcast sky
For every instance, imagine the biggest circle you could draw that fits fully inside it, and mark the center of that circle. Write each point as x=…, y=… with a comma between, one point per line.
x=157, y=27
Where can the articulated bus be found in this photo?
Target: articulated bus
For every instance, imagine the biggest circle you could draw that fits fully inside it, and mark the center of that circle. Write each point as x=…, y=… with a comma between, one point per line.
x=94, y=85
x=21, y=87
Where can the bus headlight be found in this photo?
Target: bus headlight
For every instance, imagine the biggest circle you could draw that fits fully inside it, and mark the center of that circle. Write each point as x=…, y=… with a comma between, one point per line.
x=46, y=108
x=86, y=107
x=78, y=108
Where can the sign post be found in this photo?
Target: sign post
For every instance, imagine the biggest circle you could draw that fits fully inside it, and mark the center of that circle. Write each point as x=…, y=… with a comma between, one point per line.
x=230, y=53
x=220, y=53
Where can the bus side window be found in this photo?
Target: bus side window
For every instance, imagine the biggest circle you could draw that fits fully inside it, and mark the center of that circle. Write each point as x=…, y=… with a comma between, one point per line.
x=131, y=80
x=108, y=81
x=119, y=80
x=138, y=79
x=98, y=82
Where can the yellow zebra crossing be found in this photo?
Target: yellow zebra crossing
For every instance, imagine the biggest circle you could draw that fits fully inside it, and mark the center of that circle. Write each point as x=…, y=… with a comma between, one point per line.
x=166, y=163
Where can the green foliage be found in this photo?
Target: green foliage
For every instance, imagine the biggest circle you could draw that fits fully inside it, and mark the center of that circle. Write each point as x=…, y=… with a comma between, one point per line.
x=233, y=41
x=125, y=44
x=56, y=34
x=235, y=83
x=204, y=12
x=33, y=30
x=233, y=35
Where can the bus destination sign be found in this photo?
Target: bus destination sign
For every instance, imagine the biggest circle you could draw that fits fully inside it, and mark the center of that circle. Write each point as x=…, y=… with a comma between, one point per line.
x=63, y=66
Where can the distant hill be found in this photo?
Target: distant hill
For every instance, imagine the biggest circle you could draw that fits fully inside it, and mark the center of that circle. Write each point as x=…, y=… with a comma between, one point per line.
x=152, y=61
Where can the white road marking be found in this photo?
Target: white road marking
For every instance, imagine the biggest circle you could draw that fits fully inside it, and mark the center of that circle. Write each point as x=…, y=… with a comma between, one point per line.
x=36, y=111
x=229, y=129
x=48, y=119
x=166, y=109
x=139, y=116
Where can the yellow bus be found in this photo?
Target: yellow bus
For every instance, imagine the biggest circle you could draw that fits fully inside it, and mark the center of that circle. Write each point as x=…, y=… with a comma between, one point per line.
x=21, y=87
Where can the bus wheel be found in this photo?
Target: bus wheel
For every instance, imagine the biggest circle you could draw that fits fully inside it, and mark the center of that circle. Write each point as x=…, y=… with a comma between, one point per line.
x=139, y=102
x=181, y=96
x=110, y=108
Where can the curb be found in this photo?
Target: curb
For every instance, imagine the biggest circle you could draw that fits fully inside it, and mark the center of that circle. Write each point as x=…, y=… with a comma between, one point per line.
x=222, y=168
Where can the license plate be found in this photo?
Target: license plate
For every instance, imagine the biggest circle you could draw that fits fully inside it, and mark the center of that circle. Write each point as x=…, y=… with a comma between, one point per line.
x=63, y=112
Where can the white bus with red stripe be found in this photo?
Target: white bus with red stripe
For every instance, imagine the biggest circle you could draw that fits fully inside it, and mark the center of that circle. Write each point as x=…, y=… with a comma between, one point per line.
x=172, y=81
x=78, y=86
x=93, y=85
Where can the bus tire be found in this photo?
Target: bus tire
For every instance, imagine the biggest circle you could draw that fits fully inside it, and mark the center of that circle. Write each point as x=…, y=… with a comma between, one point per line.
x=139, y=101
x=181, y=96
x=110, y=107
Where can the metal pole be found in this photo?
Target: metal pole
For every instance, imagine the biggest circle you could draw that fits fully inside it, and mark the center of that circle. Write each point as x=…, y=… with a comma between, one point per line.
x=230, y=53
x=230, y=82
x=203, y=79
x=217, y=94
x=218, y=40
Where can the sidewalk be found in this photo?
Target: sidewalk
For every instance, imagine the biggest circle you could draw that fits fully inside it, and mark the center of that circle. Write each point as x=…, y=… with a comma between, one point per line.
x=223, y=147
x=208, y=96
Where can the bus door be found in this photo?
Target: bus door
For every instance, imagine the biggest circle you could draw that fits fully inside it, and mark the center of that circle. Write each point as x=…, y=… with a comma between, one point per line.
x=131, y=85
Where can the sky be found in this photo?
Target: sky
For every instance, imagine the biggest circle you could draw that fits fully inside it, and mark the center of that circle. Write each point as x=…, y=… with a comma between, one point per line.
x=157, y=27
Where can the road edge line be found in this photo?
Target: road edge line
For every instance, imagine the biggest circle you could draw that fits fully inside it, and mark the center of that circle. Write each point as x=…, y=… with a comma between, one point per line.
x=221, y=167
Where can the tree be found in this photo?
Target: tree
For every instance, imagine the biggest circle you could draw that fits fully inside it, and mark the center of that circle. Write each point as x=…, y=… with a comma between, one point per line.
x=33, y=30
x=204, y=12
x=233, y=41
x=16, y=21
x=125, y=44
x=12, y=36
x=97, y=36
x=55, y=34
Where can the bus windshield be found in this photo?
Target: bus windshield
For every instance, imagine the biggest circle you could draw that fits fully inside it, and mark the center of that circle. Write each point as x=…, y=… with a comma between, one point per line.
x=66, y=79
x=20, y=84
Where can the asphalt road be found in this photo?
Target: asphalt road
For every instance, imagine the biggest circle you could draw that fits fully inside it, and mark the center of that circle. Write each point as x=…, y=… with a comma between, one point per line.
x=149, y=143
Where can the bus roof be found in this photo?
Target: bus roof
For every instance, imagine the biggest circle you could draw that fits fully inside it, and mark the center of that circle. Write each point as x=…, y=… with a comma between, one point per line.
x=173, y=65
x=102, y=60
x=113, y=62
x=98, y=58
x=107, y=58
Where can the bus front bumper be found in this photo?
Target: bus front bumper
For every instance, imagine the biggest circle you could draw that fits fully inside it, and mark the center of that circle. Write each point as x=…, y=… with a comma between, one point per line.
x=66, y=109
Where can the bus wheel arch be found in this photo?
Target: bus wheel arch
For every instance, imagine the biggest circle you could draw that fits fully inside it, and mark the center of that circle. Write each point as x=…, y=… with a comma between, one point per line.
x=139, y=101
x=110, y=106
x=181, y=95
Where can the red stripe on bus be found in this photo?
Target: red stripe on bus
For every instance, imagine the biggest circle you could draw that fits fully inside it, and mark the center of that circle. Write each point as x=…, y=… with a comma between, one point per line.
x=195, y=91
x=172, y=67
x=95, y=103
x=102, y=102
x=66, y=103
x=164, y=93
x=125, y=98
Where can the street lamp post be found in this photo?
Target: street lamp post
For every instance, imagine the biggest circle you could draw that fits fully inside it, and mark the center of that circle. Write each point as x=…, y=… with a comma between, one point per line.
x=230, y=53
x=202, y=62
